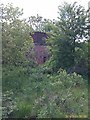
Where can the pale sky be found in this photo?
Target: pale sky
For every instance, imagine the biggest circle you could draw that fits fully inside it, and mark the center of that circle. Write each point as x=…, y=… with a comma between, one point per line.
x=45, y=8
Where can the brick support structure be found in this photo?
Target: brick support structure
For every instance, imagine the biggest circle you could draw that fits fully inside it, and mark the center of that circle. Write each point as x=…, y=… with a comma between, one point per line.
x=41, y=54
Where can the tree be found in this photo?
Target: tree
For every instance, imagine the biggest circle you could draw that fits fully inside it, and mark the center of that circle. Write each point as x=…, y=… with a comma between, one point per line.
x=40, y=24
x=15, y=36
x=72, y=29
x=35, y=22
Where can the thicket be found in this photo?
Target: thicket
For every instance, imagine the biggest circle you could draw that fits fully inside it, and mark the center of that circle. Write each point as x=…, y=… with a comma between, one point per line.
x=59, y=87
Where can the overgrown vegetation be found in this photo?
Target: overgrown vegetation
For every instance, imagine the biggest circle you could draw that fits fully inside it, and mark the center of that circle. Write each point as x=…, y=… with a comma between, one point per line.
x=59, y=87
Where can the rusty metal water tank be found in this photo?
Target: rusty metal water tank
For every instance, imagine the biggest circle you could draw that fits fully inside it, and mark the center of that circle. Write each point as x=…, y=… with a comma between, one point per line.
x=40, y=48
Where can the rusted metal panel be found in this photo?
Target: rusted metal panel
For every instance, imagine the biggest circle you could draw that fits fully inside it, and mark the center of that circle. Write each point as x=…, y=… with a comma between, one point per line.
x=39, y=38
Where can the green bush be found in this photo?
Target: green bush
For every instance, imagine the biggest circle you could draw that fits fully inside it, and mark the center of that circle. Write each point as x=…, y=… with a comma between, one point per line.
x=44, y=95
